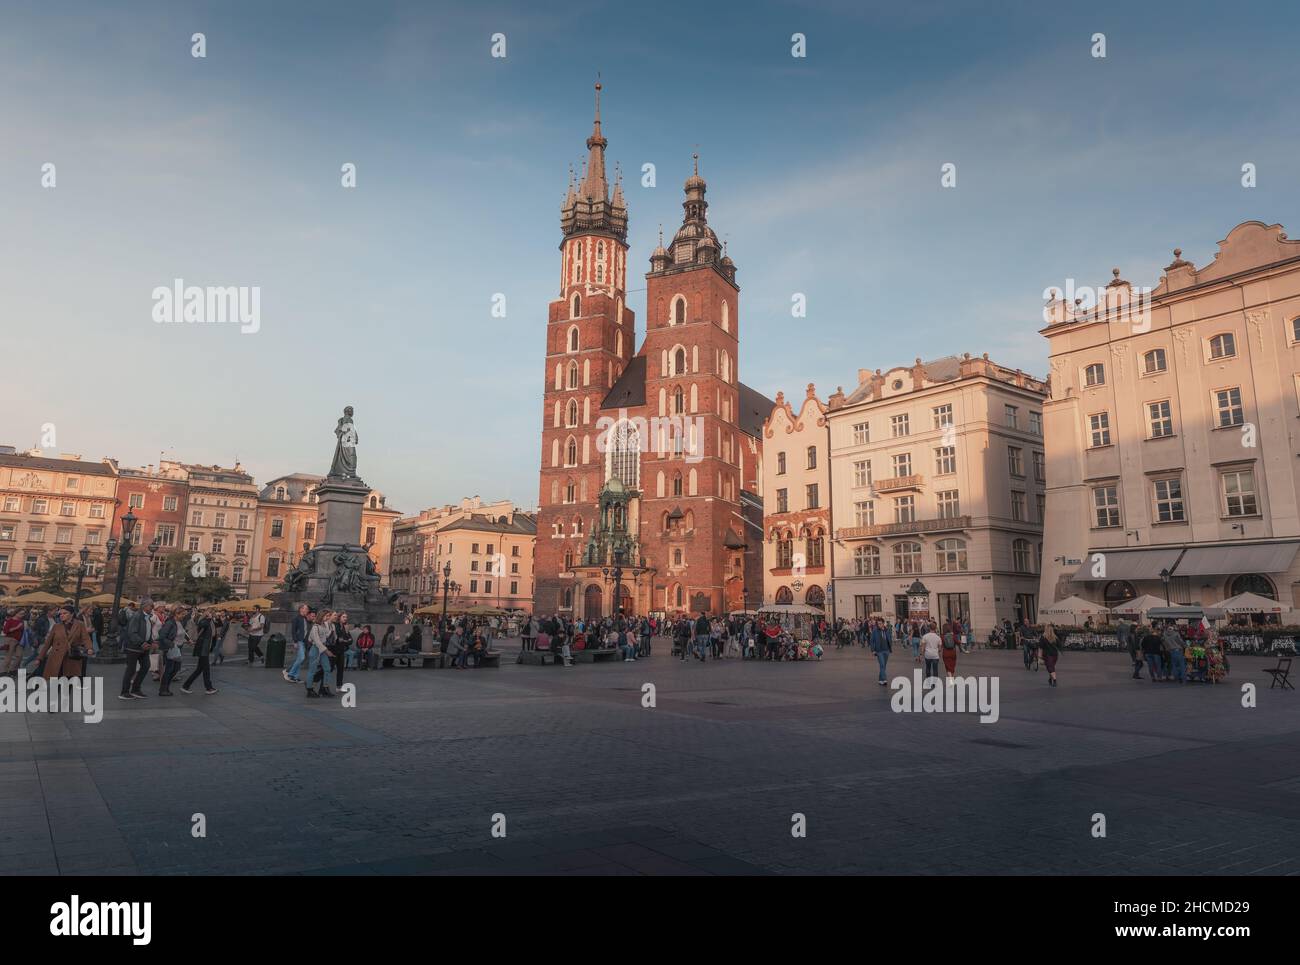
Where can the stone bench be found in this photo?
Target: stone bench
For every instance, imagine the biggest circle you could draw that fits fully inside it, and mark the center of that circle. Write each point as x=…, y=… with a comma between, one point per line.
x=422, y=659
x=596, y=655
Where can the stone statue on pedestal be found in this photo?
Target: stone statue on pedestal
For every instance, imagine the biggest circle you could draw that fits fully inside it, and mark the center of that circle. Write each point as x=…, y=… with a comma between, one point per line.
x=344, y=465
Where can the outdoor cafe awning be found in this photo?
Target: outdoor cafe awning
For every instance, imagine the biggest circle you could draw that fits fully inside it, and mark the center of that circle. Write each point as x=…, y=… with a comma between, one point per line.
x=1231, y=560
x=1128, y=564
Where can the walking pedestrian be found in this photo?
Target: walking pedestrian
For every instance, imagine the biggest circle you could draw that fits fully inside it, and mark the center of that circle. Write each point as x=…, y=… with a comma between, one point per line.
x=299, y=630
x=256, y=628
x=139, y=642
x=203, y=641
x=1049, y=648
x=64, y=651
x=950, y=649
x=931, y=645
x=339, y=647
x=171, y=642
x=318, y=659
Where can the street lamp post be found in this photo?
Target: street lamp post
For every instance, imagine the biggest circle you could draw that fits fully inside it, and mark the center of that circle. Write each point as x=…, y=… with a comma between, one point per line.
x=446, y=583
x=81, y=574
x=1164, y=578
x=112, y=645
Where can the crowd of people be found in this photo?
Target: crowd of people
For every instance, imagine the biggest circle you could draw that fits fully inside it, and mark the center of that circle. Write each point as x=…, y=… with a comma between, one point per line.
x=58, y=641
x=1172, y=653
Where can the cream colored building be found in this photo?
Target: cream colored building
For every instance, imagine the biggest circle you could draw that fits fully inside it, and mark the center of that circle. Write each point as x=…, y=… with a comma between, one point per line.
x=795, y=486
x=221, y=520
x=288, y=517
x=414, y=546
x=937, y=475
x=52, y=507
x=1172, y=431
x=491, y=558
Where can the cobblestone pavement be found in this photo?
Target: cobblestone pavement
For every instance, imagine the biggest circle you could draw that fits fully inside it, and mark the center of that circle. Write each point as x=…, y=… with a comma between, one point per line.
x=707, y=781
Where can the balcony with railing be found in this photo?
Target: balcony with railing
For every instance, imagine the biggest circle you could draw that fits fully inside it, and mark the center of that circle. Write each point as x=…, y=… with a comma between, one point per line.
x=898, y=483
x=946, y=524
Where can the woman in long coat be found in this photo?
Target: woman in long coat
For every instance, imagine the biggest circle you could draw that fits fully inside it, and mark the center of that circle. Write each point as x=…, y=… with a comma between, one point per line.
x=68, y=635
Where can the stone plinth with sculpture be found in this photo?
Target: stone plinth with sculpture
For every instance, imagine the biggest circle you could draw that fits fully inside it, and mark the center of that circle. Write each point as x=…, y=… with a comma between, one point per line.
x=338, y=572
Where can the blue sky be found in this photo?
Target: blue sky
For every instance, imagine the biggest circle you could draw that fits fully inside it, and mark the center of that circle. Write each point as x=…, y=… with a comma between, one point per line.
x=824, y=175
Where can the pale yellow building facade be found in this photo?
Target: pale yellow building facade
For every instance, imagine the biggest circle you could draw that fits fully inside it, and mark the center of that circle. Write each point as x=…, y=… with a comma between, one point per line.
x=52, y=508
x=1172, y=431
x=937, y=475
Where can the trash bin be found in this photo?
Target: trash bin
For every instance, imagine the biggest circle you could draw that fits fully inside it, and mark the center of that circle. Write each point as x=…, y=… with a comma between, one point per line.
x=275, y=650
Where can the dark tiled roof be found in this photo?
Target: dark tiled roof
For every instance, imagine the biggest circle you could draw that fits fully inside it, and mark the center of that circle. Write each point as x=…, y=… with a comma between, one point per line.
x=755, y=407
x=524, y=525
x=58, y=465
x=629, y=391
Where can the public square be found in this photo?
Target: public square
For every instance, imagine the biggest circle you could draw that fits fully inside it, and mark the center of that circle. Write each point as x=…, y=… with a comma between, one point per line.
x=591, y=782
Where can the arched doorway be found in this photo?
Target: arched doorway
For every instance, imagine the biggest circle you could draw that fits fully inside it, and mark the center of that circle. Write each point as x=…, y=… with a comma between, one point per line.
x=1117, y=592
x=591, y=602
x=1252, y=583
x=815, y=596
x=784, y=597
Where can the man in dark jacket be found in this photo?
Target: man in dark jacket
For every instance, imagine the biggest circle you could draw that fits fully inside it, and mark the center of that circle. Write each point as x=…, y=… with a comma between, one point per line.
x=138, y=643
x=881, y=646
x=1152, y=650
x=203, y=651
x=298, y=630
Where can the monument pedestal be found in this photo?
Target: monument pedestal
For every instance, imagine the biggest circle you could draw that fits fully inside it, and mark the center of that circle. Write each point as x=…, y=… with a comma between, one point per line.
x=336, y=573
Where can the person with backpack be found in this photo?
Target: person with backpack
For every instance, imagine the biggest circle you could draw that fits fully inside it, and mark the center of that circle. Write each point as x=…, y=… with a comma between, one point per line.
x=950, y=649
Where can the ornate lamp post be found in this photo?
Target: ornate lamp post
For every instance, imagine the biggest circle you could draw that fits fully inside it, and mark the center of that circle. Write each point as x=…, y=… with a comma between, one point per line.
x=446, y=585
x=81, y=574
x=112, y=645
x=1164, y=578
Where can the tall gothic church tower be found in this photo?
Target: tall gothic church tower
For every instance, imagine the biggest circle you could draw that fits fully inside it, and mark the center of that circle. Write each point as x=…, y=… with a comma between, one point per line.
x=589, y=341
x=691, y=349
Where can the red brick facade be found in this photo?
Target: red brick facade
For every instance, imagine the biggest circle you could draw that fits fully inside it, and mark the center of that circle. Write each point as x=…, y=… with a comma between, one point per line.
x=685, y=437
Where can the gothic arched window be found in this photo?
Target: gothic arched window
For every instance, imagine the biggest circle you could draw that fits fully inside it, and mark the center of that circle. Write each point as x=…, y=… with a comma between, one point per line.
x=573, y=335
x=577, y=307
x=679, y=311
x=573, y=375
x=677, y=484
x=679, y=362
x=679, y=401
x=572, y=419
x=571, y=452
x=623, y=455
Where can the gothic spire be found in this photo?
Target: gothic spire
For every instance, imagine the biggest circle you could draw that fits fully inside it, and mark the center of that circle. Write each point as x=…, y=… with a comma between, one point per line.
x=588, y=207
x=594, y=184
